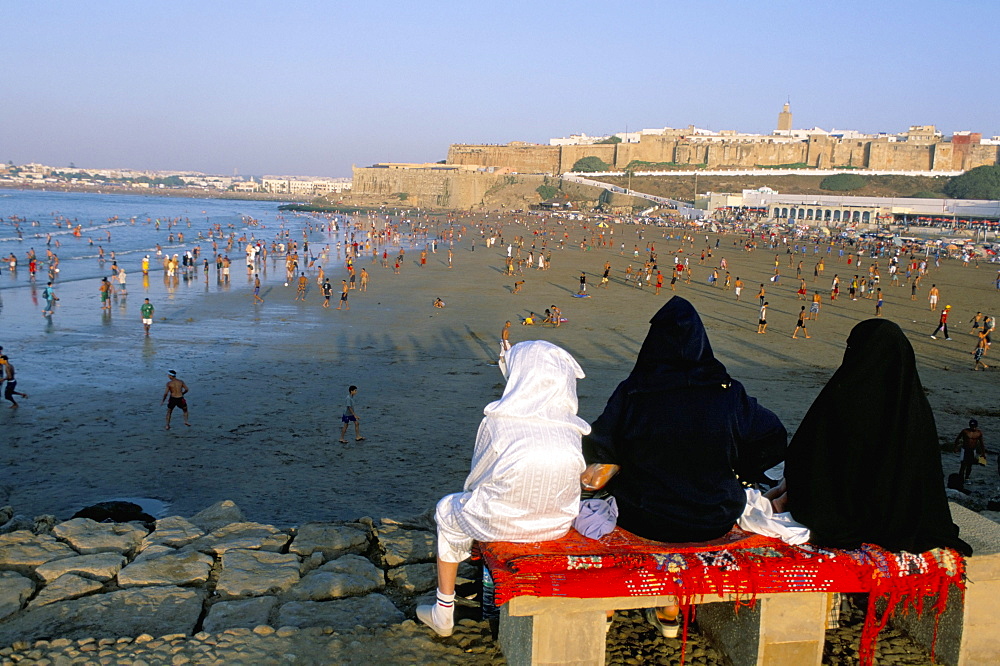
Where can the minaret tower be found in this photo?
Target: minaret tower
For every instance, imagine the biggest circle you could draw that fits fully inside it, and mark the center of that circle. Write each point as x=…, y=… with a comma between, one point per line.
x=785, y=120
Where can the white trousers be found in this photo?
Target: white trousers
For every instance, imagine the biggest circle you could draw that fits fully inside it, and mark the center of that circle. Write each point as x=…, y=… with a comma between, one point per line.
x=453, y=545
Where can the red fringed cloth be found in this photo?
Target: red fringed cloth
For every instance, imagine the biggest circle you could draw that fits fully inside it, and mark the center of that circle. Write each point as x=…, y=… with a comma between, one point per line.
x=622, y=564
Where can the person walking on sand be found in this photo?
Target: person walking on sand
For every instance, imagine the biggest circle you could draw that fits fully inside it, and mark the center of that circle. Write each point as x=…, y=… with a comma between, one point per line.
x=256, y=289
x=932, y=296
x=10, y=377
x=105, y=290
x=762, y=319
x=351, y=416
x=146, y=312
x=504, y=345
x=343, y=296
x=300, y=292
x=942, y=324
x=175, y=391
x=739, y=287
x=327, y=292
x=878, y=302
x=816, y=303
x=760, y=295
x=801, y=324
x=977, y=353
x=49, y=294
x=972, y=445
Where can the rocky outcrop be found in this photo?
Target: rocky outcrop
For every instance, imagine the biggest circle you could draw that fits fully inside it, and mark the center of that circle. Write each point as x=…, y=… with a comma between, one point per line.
x=348, y=576
x=22, y=551
x=167, y=567
x=401, y=546
x=242, y=536
x=153, y=610
x=344, y=614
x=330, y=539
x=216, y=571
x=88, y=537
x=254, y=573
x=14, y=591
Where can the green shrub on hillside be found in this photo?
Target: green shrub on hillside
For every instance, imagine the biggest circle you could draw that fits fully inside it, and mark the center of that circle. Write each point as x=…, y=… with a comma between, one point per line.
x=590, y=164
x=926, y=194
x=979, y=183
x=843, y=182
x=610, y=139
x=546, y=192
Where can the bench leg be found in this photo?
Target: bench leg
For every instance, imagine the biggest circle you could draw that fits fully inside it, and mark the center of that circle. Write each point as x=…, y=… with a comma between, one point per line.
x=553, y=639
x=783, y=629
x=968, y=632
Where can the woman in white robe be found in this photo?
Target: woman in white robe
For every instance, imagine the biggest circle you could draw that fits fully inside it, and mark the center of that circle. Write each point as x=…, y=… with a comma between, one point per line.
x=525, y=480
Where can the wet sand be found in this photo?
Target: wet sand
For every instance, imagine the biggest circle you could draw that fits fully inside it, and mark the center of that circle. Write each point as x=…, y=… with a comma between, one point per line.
x=267, y=383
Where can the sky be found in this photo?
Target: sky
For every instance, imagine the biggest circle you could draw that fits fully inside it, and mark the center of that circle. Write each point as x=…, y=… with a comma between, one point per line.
x=312, y=88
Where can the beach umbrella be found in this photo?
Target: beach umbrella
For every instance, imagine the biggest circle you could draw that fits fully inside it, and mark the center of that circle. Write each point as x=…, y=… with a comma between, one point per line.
x=951, y=247
x=602, y=225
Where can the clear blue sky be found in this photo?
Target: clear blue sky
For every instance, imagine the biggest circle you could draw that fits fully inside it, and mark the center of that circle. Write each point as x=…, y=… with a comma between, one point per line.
x=313, y=87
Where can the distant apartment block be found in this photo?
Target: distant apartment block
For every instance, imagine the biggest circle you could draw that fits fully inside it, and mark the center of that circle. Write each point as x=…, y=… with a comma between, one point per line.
x=304, y=186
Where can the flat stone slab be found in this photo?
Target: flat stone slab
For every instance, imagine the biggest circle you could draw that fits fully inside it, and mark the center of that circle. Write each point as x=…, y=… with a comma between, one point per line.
x=22, y=551
x=167, y=568
x=67, y=586
x=89, y=537
x=218, y=515
x=330, y=539
x=347, y=576
x=402, y=546
x=342, y=614
x=241, y=613
x=153, y=610
x=14, y=591
x=241, y=536
x=99, y=566
x=255, y=573
x=173, y=531
x=414, y=577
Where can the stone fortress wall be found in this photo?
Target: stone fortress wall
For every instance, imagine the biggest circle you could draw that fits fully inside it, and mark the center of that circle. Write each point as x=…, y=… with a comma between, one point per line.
x=824, y=152
x=435, y=187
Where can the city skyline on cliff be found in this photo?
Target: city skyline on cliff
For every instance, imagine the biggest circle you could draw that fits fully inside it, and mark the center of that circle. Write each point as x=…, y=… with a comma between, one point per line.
x=312, y=88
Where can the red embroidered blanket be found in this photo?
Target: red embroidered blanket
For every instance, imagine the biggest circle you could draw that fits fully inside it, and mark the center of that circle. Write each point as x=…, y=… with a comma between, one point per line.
x=740, y=563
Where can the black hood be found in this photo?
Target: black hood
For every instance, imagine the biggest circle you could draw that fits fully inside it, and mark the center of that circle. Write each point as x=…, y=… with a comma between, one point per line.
x=676, y=352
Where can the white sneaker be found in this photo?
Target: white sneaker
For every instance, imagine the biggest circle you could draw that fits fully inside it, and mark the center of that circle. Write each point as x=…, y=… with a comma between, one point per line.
x=933, y=337
x=426, y=615
x=667, y=628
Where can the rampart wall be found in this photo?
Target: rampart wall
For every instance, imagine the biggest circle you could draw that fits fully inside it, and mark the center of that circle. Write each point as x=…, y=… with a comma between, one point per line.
x=455, y=189
x=818, y=152
x=428, y=187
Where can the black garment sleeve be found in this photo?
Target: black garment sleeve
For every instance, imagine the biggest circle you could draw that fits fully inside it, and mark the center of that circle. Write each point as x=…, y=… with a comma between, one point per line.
x=600, y=445
x=763, y=441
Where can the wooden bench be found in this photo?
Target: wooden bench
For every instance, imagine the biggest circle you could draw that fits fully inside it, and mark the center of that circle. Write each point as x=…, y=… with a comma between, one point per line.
x=758, y=601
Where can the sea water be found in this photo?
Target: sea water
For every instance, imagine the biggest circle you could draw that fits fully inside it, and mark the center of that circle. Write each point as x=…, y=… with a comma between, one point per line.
x=131, y=226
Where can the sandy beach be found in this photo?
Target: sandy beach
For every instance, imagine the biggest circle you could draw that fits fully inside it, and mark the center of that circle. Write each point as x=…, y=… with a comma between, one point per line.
x=268, y=382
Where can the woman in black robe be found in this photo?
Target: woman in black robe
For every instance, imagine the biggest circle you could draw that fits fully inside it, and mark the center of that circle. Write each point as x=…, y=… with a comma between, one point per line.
x=684, y=433
x=865, y=465
x=679, y=434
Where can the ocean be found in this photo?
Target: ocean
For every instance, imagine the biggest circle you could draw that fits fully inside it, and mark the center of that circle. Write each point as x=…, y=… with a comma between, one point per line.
x=127, y=225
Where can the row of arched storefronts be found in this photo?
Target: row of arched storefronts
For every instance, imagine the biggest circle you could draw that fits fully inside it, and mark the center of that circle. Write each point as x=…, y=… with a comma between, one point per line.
x=825, y=214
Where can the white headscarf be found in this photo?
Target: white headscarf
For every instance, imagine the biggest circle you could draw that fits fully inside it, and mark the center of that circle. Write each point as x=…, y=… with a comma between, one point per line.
x=541, y=384
x=525, y=479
